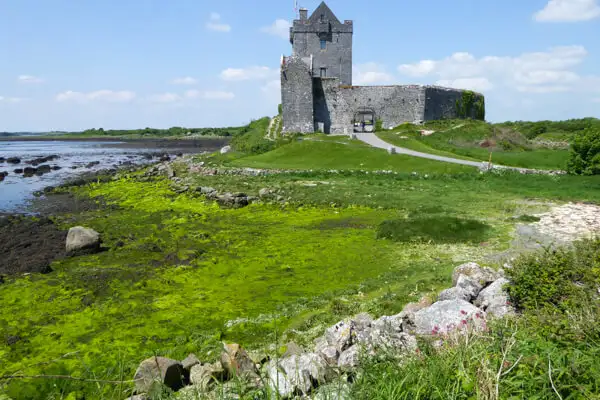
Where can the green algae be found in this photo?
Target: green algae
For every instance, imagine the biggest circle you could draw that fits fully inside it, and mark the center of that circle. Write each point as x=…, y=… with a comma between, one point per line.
x=181, y=274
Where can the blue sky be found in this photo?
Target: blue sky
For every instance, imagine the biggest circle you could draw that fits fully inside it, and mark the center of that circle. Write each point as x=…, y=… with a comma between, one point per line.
x=76, y=64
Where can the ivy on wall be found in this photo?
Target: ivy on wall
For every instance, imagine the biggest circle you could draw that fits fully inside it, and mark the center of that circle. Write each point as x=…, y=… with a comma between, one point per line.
x=470, y=104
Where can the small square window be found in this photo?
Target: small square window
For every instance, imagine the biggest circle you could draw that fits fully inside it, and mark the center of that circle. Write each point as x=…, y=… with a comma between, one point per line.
x=323, y=44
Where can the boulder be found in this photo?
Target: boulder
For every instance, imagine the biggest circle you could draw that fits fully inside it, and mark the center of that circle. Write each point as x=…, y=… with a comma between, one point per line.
x=339, y=390
x=13, y=160
x=296, y=374
x=389, y=333
x=82, y=240
x=424, y=301
x=484, y=276
x=158, y=370
x=349, y=358
x=340, y=335
x=454, y=293
x=494, y=299
x=447, y=316
x=135, y=397
x=264, y=192
x=189, y=362
x=292, y=349
x=225, y=150
x=206, y=375
x=469, y=285
x=236, y=362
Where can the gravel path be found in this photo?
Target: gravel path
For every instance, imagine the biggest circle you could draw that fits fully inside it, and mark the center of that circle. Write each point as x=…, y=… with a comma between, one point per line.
x=373, y=140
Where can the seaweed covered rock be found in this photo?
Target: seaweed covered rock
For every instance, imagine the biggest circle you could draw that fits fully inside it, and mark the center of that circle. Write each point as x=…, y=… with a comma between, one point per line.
x=82, y=240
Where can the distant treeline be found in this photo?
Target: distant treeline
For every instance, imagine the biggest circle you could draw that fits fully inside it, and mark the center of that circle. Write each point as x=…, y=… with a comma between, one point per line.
x=570, y=126
x=174, y=131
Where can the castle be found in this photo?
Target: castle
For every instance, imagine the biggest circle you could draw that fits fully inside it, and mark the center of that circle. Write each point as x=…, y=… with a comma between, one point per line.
x=317, y=93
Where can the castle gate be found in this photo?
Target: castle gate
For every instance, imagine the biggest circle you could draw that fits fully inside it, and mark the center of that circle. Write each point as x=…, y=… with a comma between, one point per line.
x=364, y=120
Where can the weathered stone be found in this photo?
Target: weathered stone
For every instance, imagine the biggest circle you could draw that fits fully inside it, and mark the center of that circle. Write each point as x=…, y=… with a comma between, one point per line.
x=292, y=349
x=494, y=299
x=448, y=315
x=470, y=285
x=158, y=370
x=297, y=374
x=349, y=358
x=482, y=275
x=13, y=160
x=189, y=362
x=334, y=391
x=135, y=397
x=206, y=375
x=388, y=333
x=264, y=192
x=340, y=335
x=225, y=150
x=454, y=293
x=236, y=361
x=80, y=239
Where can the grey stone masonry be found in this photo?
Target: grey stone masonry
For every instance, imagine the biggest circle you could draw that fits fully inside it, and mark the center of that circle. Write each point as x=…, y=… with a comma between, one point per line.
x=317, y=92
x=327, y=40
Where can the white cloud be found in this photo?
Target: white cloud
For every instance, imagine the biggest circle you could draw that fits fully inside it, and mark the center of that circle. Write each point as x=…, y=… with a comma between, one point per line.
x=280, y=27
x=164, y=98
x=250, y=73
x=272, y=87
x=188, y=80
x=11, y=99
x=568, y=11
x=209, y=95
x=536, y=72
x=99, y=95
x=29, y=79
x=215, y=23
x=370, y=74
x=476, y=84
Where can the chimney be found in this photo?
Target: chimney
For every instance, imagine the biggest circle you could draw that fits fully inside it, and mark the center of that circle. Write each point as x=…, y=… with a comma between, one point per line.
x=303, y=14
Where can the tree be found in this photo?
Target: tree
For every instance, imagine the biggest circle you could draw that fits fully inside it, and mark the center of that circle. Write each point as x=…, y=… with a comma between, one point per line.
x=585, y=153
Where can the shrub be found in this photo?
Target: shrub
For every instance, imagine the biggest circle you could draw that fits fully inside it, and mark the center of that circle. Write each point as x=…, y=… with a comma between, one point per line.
x=585, y=153
x=556, y=279
x=378, y=125
x=280, y=109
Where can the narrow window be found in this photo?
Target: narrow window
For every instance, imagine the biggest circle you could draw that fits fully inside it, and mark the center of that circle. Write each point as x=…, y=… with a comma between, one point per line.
x=323, y=72
x=323, y=44
x=322, y=17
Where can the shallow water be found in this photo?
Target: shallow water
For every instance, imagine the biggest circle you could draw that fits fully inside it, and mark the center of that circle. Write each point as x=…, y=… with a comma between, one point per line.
x=16, y=191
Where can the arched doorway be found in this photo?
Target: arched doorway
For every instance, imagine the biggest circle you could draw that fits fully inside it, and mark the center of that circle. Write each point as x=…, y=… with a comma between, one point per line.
x=364, y=120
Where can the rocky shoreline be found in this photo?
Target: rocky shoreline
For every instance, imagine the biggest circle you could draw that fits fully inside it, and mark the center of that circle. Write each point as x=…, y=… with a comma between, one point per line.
x=330, y=367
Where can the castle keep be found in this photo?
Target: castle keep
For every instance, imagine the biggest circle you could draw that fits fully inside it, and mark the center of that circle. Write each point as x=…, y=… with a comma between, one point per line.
x=317, y=93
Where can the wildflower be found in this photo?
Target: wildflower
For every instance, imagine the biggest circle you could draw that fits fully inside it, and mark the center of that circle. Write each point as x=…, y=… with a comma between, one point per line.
x=463, y=312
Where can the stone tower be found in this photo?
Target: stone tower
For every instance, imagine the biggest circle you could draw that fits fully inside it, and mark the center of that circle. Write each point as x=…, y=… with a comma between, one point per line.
x=324, y=39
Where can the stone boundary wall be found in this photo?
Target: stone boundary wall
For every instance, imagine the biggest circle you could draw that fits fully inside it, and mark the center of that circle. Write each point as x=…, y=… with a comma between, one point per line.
x=440, y=103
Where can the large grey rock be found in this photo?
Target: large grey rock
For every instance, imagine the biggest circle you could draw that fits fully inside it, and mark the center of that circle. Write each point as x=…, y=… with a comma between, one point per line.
x=292, y=349
x=334, y=391
x=447, y=316
x=470, y=285
x=483, y=275
x=189, y=362
x=494, y=299
x=328, y=353
x=80, y=239
x=207, y=375
x=296, y=374
x=349, y=358
x=236, y=362
x=389, y=333
x=225, y=150
x=160, y=370
x=454, y=293
x=340, y=335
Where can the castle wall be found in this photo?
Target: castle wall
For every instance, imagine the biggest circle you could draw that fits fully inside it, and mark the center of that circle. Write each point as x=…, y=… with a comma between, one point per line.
x=441, y=103
x=297, y=96
x=337, y=106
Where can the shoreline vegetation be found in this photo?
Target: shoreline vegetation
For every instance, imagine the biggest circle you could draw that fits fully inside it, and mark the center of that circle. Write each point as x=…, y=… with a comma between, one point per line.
x=329, y=228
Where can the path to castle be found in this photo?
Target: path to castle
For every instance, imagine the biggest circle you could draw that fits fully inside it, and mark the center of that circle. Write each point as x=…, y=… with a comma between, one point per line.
x=371, y=139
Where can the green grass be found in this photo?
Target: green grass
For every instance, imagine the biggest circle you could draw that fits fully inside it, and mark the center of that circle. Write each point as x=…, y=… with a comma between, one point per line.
x=355, y=155
x=433, y=230
x=463, y=139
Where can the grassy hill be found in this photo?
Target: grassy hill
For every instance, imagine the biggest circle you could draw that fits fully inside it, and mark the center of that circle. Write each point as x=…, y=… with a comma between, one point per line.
x=514, y=144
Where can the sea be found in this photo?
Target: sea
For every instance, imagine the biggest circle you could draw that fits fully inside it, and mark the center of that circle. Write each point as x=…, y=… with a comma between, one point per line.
x=74, y=158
